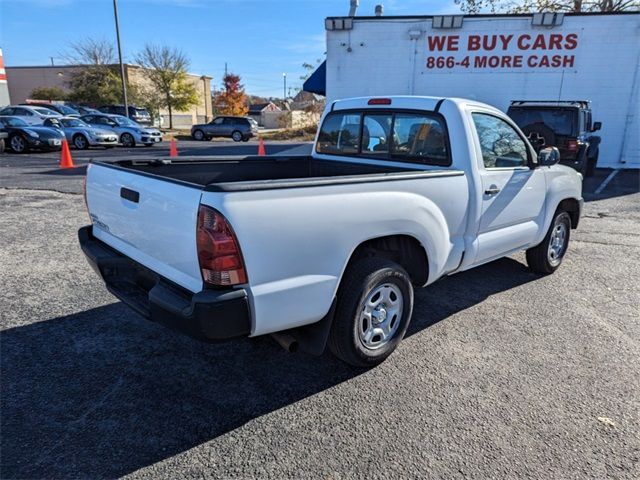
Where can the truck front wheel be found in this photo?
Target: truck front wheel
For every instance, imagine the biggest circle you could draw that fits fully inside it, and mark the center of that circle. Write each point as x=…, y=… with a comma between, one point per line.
x=374, y=308
x=547, y=257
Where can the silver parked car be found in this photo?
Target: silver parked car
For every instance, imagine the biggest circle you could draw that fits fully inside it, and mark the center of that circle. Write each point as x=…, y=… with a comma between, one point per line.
x=130, y=133
x=82, y=135
x=238, y=128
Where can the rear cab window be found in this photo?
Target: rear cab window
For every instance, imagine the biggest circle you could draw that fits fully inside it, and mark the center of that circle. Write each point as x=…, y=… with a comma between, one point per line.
x=405, y=136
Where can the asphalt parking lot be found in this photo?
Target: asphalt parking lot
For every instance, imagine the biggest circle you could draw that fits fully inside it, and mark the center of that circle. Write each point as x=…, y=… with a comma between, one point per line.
x=504, y=374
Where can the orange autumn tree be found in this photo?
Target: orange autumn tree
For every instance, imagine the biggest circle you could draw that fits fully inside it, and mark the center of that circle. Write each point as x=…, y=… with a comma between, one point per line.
x=232, y=100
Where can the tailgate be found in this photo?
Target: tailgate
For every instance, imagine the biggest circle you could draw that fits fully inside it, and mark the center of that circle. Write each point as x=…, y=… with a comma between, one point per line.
x=147, y=218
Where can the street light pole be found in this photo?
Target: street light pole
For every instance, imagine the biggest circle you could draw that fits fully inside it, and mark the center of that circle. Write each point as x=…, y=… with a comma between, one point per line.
x=284, y=76
x=124, y=84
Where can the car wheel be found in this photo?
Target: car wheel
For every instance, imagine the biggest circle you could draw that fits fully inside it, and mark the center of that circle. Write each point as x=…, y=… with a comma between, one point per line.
x=127, y=140
x=374, y=306
x=237, y=136
x=198, y=135
x=80, y=142
x=245, y=139
x=18, y=144
x=547, y=257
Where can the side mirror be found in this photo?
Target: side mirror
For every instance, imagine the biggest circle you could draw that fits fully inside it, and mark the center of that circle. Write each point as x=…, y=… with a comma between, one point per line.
x=596, y=126
x=548, y=156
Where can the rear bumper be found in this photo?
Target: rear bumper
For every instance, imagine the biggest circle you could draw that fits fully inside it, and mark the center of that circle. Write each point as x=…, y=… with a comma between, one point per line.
x=208, y=315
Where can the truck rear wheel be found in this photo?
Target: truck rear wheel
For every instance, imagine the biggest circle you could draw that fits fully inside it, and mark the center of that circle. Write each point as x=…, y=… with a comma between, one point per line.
x=374, y=308
x=547, y=257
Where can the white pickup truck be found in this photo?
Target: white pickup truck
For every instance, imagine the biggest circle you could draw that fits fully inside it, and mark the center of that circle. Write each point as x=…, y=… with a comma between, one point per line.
x=327, y=248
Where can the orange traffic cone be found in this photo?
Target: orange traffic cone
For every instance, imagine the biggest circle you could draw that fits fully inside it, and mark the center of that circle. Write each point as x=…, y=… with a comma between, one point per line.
x=261, y=150
x=173, y=148
x=65, y=158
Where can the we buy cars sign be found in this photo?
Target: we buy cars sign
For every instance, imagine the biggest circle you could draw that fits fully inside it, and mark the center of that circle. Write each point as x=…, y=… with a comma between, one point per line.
x=506, y=52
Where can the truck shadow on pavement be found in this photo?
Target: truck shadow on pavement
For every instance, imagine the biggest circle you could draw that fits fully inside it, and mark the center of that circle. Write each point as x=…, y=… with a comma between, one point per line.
x=102, y=393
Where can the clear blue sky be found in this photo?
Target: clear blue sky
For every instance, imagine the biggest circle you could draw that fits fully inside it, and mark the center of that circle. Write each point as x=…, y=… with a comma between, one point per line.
x=260, y=39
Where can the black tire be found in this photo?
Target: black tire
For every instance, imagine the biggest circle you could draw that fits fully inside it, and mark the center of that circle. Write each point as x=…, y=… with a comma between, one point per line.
x=2, y=145
x=245, y=139
x=591, y=165
x=236, y=136
x=127, y=140
x=80, y=141
x=540, y=258
x=361, y=280
x=198, y=135
x=18, y=143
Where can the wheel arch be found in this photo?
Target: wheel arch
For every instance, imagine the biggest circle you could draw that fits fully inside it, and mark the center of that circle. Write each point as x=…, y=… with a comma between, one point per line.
x=405, y=250
x=572, y=207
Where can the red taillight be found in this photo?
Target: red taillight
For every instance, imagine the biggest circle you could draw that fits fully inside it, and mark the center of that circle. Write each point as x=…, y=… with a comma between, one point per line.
x=218, y=250
x=572, y=145
x=379, y=101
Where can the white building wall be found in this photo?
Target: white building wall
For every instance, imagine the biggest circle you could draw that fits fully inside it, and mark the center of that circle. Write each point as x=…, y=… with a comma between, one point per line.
x=377, y=57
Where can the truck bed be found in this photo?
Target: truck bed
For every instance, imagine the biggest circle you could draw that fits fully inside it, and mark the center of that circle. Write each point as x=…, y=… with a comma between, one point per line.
x=255, y=173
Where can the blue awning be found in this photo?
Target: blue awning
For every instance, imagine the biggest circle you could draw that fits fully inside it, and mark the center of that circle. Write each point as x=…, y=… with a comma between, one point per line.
x=317, y=82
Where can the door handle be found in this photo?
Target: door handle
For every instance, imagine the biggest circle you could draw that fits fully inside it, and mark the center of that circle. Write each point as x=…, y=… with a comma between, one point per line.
x=492, y=190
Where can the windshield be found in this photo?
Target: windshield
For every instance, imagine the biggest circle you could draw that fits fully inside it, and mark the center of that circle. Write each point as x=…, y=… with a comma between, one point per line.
x=140, y=111
x=66, y=110
x=73, y=122
x=561, y=120
x=13, y=122
x=44, y=111
x=124, y=121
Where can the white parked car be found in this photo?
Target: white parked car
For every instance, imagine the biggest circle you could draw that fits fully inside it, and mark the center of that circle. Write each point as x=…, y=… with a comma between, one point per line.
x=129, y=132
x=82, y=135
x=398, y=192
x=31, y=115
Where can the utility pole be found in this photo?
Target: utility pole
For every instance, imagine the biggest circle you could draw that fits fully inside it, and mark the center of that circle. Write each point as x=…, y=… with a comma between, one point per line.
x=52, y=64
x=124, y=84
x=284, y=76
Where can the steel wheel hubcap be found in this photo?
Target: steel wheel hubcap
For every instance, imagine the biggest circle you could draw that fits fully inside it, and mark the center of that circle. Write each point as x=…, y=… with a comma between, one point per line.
x=237, y=136
x=380, y=316
x=198, y=135
x=557, y=243
x=80, y=142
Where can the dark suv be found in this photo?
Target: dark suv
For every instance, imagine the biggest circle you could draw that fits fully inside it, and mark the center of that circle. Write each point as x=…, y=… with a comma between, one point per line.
x=137, y=114
x=238, y=128
x=565, y=124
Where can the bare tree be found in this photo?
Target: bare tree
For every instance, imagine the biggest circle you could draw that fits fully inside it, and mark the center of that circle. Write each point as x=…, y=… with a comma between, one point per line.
x=527, y=6
x=91, y=51
x=167, y=71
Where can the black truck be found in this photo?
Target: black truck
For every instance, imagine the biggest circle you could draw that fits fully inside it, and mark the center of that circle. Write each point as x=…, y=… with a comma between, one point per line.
x=565, y=124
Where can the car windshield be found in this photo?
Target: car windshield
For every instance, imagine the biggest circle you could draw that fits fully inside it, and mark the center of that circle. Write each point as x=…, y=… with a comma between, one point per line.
x=124, y=121
x=560, y=120
x=67, y=110
x=44, y=111
x=73, y=122
x=13, y=122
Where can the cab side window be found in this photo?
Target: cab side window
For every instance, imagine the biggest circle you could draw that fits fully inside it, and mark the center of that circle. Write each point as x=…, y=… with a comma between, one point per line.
x=501, y=145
